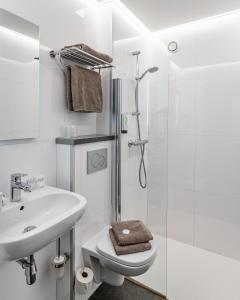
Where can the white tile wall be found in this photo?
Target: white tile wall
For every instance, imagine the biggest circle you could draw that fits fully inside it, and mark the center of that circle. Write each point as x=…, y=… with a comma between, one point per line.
x=181, y=160
x=157, y=211
x=182, y=101
x=180, y=215
x=217, y=106
x=217, y=162
x=59, y=26
x=203, y=140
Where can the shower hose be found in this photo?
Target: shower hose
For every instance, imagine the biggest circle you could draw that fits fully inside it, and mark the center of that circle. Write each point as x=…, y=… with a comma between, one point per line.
x=142, y=173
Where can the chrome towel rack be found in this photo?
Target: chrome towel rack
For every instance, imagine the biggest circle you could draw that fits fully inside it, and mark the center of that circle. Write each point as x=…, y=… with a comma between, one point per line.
x=78, y=56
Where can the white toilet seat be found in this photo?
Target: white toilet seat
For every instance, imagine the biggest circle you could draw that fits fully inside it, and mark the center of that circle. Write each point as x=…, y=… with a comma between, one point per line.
x=99, y=254
x=105, y=248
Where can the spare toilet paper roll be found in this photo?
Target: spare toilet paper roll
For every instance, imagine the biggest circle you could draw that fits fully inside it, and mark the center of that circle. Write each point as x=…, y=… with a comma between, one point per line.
x=83, y=280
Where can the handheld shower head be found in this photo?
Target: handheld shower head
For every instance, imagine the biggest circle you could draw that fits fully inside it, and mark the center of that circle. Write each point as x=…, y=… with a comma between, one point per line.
x=137, y=52
x=153, y=69
x=150, y=70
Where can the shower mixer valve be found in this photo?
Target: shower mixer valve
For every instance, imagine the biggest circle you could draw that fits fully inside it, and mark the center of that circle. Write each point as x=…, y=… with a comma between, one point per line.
x=137, y=143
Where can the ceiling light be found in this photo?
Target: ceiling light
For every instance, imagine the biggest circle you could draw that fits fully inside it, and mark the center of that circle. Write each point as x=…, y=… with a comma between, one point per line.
x=139, y=25
x=120, y=8
x=87, y=4
x=199, y=21
x=17, y=35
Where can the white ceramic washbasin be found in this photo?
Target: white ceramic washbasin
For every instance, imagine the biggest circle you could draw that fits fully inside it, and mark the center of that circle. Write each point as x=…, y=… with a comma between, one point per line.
x=51, y=211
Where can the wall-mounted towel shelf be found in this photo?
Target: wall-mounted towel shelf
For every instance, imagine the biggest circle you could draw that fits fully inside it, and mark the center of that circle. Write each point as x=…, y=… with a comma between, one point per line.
x=78, y=56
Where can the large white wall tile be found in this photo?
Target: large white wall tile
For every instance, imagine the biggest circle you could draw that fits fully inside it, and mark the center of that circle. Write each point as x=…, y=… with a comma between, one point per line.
x=217, y=165
x=157, y=162
x=182, y=99
x=218, y=106
x=180, y=217
x=157, y=208
x=181, y=160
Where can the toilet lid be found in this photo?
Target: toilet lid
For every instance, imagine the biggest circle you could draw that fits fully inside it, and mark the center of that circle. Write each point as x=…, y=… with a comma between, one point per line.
x=105, y=248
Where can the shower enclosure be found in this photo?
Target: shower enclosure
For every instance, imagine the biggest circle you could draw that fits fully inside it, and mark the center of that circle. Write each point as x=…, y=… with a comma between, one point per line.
x=140, y=99
x=190, y=115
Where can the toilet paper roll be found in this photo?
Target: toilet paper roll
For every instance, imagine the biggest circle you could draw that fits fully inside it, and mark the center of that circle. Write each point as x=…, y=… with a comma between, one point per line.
x=83, y=280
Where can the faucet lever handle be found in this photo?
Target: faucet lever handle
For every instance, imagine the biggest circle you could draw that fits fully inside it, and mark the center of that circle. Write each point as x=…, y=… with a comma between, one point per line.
x=17, y=177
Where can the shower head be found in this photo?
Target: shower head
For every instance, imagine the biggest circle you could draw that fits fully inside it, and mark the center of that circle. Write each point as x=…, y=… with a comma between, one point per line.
x=150, y=70
x=136, y=53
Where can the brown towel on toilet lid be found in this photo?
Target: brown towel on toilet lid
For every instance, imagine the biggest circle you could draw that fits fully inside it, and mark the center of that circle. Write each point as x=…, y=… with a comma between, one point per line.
x=84, y=90
x=131, y=232
x=128, y=249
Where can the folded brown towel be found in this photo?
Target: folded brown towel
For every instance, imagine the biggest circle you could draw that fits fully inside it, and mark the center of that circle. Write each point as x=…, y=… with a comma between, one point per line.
x=131, y=232
x=93, y=52
x=84, y=90
x=129, y=249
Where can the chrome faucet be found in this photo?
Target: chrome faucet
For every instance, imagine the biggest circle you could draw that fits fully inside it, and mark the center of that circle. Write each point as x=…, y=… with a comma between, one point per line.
x=16, y=185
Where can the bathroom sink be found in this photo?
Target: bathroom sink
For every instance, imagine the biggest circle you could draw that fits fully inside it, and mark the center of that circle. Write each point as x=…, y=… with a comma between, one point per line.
x=43, y=216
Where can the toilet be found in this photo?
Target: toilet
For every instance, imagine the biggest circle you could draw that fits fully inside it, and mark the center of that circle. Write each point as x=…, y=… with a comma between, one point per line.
x=100, y=256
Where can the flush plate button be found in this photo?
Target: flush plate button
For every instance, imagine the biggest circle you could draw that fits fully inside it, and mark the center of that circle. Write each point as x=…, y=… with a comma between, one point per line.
x=96, y=160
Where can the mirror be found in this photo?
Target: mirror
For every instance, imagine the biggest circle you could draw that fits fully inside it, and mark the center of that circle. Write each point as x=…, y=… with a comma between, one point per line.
x=19, y=77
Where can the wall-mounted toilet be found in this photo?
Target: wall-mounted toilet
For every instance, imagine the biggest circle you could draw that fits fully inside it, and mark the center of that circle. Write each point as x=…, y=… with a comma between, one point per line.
x=100, y=256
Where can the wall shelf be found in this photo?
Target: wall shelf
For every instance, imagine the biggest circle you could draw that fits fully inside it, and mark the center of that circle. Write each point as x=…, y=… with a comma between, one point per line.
x=78, y=56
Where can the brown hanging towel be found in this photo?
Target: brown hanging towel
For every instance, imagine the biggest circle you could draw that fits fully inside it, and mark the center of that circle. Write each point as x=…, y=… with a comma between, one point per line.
x=84, y=90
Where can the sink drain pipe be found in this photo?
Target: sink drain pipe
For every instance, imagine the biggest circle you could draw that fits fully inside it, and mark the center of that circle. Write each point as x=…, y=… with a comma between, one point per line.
x=28, y=264
x=30, y=269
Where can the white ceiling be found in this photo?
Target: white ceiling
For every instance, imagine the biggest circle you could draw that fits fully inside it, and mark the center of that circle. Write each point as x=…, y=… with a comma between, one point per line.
x=159, y=14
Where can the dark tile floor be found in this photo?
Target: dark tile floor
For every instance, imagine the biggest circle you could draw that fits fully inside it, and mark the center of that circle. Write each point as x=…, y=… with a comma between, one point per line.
x=129, y=291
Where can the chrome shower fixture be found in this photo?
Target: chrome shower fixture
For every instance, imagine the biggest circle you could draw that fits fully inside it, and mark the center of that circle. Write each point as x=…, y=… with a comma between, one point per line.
x=150, y=70
x=137, y=52
x=142, y=173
